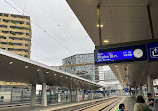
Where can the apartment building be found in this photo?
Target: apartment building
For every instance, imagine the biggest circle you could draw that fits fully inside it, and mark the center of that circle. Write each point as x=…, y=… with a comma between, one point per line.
x=15, y=34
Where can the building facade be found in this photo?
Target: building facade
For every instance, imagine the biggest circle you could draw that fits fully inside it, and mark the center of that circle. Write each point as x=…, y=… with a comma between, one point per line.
x=15, y=34
x=110, y=81
x=81, y=65
x=109, y=76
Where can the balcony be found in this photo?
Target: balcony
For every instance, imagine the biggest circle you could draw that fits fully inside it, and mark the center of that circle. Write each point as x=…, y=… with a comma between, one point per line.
x=3, y=40
x=5, y=17
x=19, y=30
x=19, y=19
x=3, y=29
x=17, y=47
x=4, y=23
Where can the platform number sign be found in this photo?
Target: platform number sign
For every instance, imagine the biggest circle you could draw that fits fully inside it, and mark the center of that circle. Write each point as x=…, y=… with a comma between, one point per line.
x=152, y=51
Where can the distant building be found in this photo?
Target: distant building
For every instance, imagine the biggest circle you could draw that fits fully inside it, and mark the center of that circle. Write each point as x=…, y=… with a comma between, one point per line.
x=109, y=76
x=110, y=81
x=81, y=65
x=15, y=34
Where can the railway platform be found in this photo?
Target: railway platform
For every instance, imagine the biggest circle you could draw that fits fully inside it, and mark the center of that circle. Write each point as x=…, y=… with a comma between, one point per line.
x=106, y=104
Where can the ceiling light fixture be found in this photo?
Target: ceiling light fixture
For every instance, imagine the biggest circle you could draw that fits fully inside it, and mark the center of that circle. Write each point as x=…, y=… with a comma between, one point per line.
x=101, y=25
x=61, y=76
x=10, y=62
x=26, y=67
x=47, y=72
x=106, y=41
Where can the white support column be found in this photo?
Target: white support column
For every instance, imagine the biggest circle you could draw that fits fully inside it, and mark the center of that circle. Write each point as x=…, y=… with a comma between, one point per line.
x=140, y=90
x=44, y=95
x=150, y=85
x=33, y=95
x=77, y=95
x=130, y=92
x=136, y=92
x=70, y=96
x=92, y=94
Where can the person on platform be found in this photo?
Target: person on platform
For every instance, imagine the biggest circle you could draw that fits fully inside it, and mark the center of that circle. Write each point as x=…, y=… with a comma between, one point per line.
x=150, y=102
x=140, y=104
x=121, y=107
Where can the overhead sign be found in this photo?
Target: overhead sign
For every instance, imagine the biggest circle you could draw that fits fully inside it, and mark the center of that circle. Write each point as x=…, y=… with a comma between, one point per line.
x=115, y=55
x=152, y=51
x=121, y=54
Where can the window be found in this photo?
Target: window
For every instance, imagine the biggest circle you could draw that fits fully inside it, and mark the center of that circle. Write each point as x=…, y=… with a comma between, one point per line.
x=21, y=22
x=2, y=37
x=26, y=45
x=4, y=20
x=19, y=16
x=18, y=44
x=3, y=26
x=6, y=15
x=28, y=23
x=17, y=22
x=17, y=38
x=25, y=55
x=12, y=49
x=24, y=50
x=14, y=33
x=6, y=32
x=4, y=43
x=2, y=97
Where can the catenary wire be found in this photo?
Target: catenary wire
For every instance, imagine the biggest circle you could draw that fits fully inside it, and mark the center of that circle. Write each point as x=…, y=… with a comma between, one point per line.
x=39, y=27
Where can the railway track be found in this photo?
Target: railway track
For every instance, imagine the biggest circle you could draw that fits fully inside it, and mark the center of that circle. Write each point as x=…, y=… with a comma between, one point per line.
x=111, y=106
x=106, y=105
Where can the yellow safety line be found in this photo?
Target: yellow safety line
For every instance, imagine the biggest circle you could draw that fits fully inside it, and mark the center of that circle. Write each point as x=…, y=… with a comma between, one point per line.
x=119, y=103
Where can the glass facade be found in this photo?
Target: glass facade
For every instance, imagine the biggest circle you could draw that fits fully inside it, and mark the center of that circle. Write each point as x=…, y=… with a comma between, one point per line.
x=109, y=76
x=81, y=65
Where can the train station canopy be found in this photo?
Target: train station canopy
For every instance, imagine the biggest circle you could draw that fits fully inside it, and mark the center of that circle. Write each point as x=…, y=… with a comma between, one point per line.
x=15, y=68
x=121, y=21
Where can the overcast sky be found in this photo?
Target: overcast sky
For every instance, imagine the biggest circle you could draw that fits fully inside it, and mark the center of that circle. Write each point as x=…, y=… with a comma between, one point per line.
x=65, y=37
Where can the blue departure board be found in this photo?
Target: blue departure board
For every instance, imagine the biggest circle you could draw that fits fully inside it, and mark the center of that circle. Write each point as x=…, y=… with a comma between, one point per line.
x=121, y=54
x=115, y=55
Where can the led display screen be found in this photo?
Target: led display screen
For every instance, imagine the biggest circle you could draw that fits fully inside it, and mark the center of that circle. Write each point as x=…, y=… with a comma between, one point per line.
x=115, y=55
x=121, y=54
